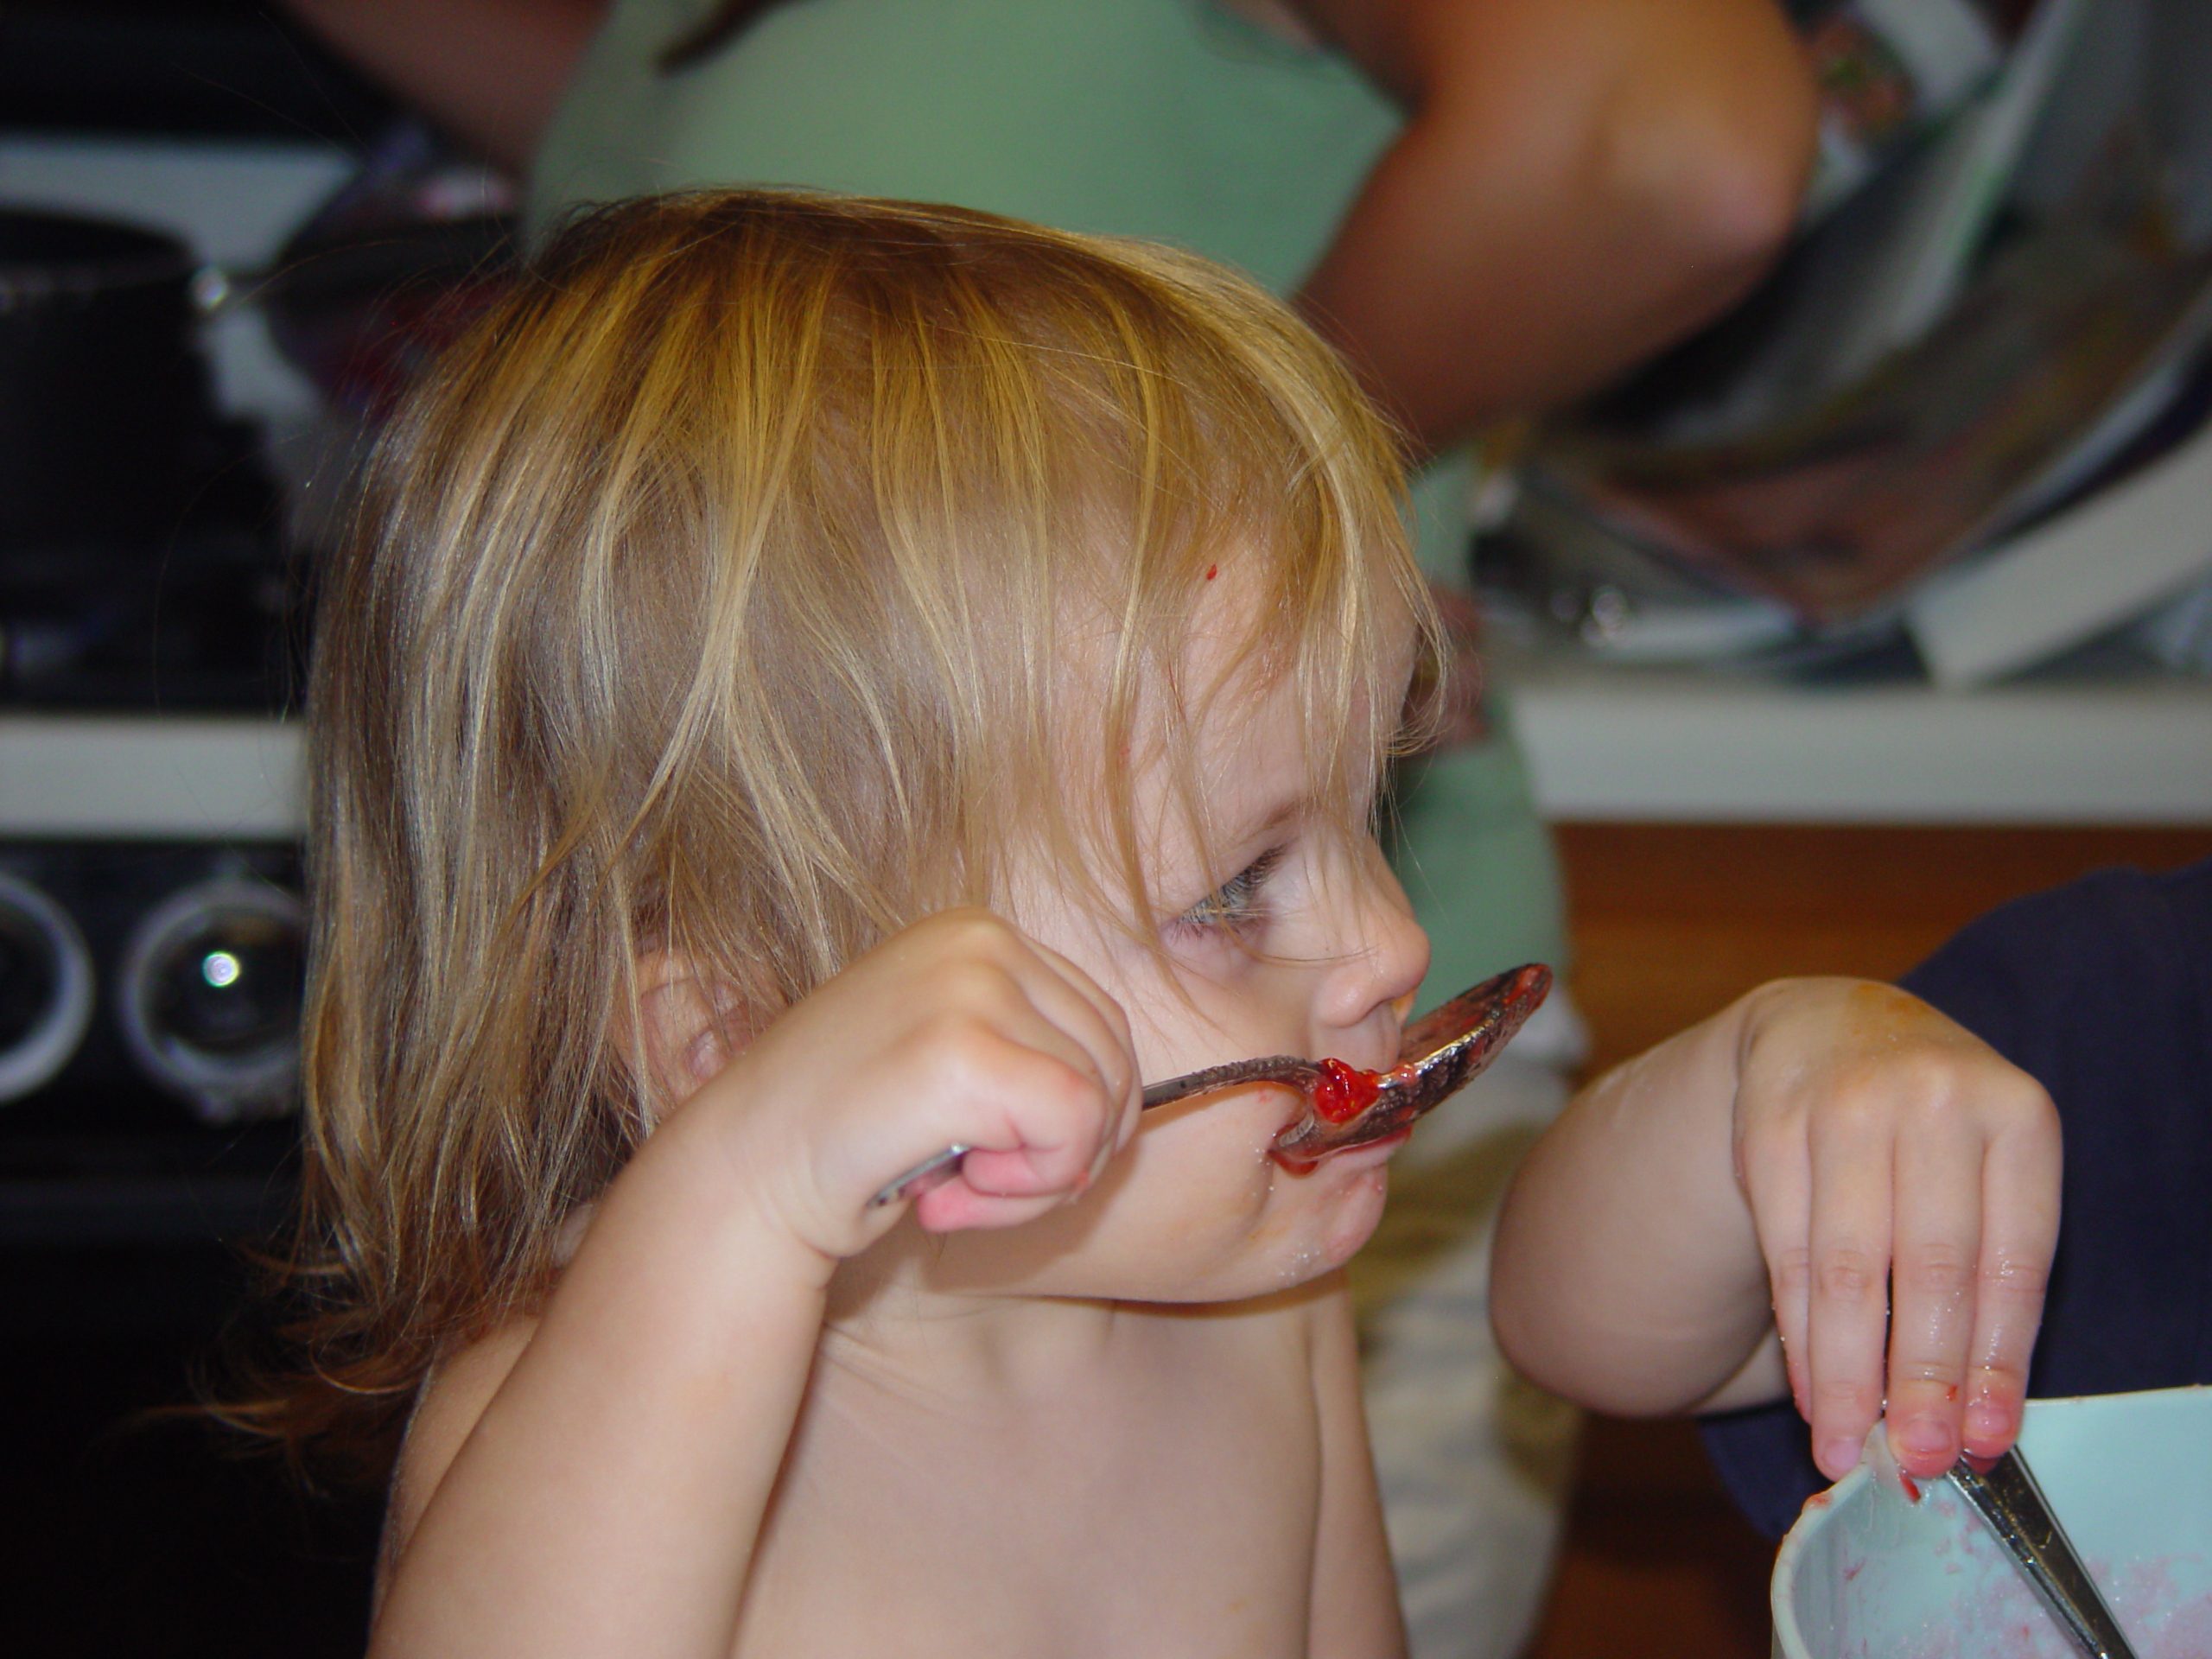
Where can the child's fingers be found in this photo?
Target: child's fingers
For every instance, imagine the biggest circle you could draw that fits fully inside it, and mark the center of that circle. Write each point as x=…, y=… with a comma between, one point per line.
x=1934, y=1274
x=1072, y=999
x=1031, y=1171
x=1047, y=1119
x=1053, y=1157
x=957, y=1207
x=1068, y=1016
x=1849, y=1239
x=2019, y=1231
x=1094, y=1038
x=1778, y=1184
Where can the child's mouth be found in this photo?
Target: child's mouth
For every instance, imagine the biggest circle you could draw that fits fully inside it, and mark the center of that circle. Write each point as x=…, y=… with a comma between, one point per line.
x=1438, y=1054
x=1366, y=1154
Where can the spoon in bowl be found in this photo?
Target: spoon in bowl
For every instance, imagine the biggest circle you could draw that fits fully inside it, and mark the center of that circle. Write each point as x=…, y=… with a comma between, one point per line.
x=2004, y=1494
x=1345, y=1105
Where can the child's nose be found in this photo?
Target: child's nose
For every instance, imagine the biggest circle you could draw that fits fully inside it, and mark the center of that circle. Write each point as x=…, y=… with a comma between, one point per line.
x=1387, y=953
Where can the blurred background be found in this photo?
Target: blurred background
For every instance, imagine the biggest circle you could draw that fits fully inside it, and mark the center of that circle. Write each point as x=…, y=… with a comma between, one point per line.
x=1883, y=599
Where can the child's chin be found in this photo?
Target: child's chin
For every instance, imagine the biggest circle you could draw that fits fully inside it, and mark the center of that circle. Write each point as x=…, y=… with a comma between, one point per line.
x=1349, y=1189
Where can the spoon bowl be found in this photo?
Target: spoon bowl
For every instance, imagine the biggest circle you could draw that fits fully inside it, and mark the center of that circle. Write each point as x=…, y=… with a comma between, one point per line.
x=1440, y=1053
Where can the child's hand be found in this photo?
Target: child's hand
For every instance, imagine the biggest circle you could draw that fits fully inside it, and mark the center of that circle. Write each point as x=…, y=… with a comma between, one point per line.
x=958, y=1031
x=1895, y=1164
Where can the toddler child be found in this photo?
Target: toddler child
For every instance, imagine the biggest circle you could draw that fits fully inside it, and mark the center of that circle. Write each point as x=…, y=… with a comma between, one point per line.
x=822, y=682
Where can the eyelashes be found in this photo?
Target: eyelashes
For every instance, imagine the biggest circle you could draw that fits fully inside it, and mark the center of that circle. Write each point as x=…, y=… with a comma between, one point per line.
x=1237, y=903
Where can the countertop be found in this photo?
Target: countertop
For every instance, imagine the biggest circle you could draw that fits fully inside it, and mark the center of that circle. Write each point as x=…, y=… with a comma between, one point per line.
x=1662, y=745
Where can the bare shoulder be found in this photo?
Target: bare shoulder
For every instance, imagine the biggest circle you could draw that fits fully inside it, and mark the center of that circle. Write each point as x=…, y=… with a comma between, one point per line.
x=1406, y=45
x=452, y=1397
x=1417, y=49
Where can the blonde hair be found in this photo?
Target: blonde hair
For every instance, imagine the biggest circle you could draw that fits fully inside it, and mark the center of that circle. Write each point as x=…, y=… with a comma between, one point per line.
x=712, y=595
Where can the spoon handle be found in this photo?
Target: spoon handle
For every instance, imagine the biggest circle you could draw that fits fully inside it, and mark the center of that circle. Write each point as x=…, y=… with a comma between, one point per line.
x=2006, y=1497
x=1276, y=1068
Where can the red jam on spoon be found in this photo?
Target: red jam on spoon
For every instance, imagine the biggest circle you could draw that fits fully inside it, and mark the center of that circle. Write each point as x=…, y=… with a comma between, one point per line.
x=1342, y=1092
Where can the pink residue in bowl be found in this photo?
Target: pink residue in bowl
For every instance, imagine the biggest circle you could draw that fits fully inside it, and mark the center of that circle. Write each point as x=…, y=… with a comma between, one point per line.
x=2002, y=1619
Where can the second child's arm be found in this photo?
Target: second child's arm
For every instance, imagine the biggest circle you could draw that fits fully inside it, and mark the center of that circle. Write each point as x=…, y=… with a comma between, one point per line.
x=596, y=1483
x=1733, y=1214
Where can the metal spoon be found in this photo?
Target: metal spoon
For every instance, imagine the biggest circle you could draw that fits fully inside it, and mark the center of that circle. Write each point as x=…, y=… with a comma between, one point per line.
x=2004, y=1494
x=1438, y=1053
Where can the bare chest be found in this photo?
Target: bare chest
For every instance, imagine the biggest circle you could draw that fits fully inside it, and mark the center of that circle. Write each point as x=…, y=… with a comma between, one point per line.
x=1168, y=1508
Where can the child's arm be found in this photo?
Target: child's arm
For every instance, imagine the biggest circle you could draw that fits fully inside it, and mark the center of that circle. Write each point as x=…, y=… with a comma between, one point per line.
x=1772, y=1172
x=1354, y=1588
x=595, y=1483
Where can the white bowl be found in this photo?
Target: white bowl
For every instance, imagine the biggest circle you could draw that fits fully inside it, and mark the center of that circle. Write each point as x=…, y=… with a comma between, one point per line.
x=1866, y=1574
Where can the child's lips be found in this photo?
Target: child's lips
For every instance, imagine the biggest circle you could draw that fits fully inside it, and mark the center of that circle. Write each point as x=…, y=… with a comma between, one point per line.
x=1374, y=1152
x=1368, y=1154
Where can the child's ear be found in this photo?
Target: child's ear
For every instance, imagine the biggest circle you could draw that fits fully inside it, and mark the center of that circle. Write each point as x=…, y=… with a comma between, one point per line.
x=688, y=1027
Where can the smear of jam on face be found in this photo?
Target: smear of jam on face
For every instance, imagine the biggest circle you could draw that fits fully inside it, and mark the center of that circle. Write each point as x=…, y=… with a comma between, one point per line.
x=1342, y=1092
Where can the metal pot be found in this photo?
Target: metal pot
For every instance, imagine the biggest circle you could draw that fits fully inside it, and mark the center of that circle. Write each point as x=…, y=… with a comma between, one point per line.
x=103, y=393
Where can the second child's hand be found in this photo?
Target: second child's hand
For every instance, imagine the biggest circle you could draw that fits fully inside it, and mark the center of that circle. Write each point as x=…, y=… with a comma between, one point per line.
x=1903, y=1182
x=1733, y=1213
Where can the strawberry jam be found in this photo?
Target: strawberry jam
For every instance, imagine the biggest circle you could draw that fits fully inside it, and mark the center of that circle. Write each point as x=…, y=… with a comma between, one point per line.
x=1342, y=1092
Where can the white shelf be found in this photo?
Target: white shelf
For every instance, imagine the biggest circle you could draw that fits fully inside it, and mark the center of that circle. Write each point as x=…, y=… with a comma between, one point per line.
x=1661, y=745
x=1686, y=745
x=149, y=777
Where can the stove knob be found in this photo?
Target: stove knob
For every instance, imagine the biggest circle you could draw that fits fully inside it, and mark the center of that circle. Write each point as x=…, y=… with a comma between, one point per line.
x=46, y=988
x=210, y=996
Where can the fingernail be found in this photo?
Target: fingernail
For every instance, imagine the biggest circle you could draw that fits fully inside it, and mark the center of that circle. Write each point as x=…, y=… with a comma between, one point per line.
x=1923, y=1437
x=1840, y=1456
x=1987, y=1421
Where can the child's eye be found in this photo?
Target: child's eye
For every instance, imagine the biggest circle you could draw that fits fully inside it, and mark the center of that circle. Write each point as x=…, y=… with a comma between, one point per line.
x=1237, y=902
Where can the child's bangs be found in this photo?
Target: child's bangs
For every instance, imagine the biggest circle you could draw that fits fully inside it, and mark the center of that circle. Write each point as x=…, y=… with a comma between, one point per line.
x=1230, y=458
x=1018, y=464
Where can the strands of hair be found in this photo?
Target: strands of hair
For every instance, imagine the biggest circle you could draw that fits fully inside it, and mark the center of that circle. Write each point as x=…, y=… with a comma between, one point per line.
x=767, y=572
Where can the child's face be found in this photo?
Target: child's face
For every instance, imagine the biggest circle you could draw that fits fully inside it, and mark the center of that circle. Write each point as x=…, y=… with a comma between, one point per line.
x=1287, y=941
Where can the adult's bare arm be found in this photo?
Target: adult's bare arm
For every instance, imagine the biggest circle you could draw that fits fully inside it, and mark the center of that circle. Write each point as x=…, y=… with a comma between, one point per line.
x=489, y=72
x=1579, y=182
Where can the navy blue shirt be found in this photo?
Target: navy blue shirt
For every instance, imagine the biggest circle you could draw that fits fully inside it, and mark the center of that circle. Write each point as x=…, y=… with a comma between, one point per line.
x=2101, y=990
